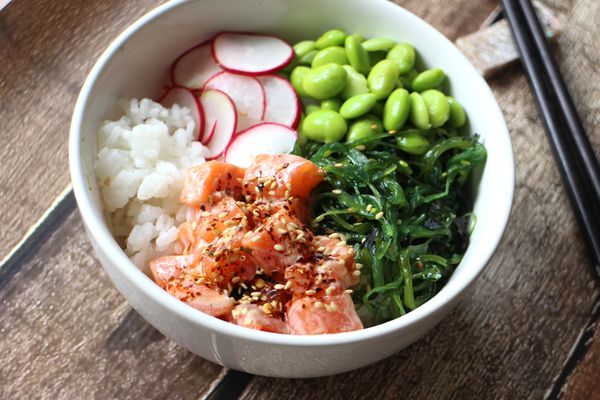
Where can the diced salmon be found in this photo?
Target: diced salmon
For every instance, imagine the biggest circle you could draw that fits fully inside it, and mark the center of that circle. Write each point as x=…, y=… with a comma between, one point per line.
x=339, y=263
x=225, y=259
x=166, y=268
x=252, y=316
x=209, y=225
x=177, y=275
x=274, y=244
x=279, y=176
x=213, y=179
x=302, y=278
x=330, y=314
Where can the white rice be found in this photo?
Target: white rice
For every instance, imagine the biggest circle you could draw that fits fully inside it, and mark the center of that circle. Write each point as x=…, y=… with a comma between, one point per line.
x=141, y=163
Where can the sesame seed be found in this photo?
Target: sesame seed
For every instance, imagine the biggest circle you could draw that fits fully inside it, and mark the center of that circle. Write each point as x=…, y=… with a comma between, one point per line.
x=338, y=164
x=279, y=286
x=334, y=235
x=271, y=193
x=222, y=215
x=288, y=285
x=359, y=266
x=327, y=251
x=273, y=185
x=287, y=193
x=259, y=283
x=356, y=272
x=292, y=226
x=341, y=243
x=310, y=292
x=255, y=239
x=321, y=249
x=331, y=307
x=244, y=285
x=363, y=240
x=226, y=293
x=319, y=218
x=267, y=308
x=205, y=214
x=393, y=131
x=281, y=231
x=336, y=191
x=255, y=294
x=329, y=290
x=299, y=233
x=348, y=291
x=247, y=321
x=318, y=304
x=361, y=147
x=319, y=279
x=379, y=215
x=278, y=247
x=235, y=279
x=369, y=207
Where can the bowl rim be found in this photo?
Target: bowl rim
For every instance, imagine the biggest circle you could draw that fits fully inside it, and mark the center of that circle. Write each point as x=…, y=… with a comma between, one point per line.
x=98, y=229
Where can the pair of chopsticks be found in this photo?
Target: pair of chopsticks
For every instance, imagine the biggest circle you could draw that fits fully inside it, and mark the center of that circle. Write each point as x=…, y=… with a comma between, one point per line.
x=572, y=150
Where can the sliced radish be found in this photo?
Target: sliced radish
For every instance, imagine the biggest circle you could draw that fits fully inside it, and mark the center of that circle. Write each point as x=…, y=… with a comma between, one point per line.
x=251, y=54
x=194, y=67
x=207, y=136
x=222, y=118
x=265, y=138
x=247, y=94
x=185, y=98
x=282, y=102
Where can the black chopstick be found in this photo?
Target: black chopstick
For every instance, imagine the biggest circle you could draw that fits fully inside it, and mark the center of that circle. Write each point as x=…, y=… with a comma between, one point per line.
x=572, y=150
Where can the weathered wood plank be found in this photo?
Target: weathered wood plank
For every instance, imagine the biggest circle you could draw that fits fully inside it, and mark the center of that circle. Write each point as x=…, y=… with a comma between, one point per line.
x=512, y=334
x=46, y=50
x=67, y=333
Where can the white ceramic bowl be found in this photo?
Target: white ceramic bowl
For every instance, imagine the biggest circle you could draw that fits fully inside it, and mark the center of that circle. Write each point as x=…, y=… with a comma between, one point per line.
x=135, y=64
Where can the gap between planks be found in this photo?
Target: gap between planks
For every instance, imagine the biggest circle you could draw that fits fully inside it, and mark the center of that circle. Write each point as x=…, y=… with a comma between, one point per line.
x=576, y=355
x=63, y=205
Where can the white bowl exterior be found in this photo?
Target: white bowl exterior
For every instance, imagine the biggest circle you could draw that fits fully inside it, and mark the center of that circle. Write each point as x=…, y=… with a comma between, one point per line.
x=136, y=65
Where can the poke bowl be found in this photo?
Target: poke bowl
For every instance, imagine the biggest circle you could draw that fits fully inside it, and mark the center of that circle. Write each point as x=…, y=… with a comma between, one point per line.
x=139, y=64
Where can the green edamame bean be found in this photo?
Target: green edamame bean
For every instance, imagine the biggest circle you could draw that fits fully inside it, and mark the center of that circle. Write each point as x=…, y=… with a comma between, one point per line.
x=428, y=79
x=457, y=114
x=418, y=115
x=356, y=83
x=325, y=81
x=403, y=54
x=376, y=56
x=378, y=44
x=358, y=105
x=324, y=126
x=382, y=78
x=437, y=107
x=311, y=108
x=308, y=58
x=331, y=104
x=364, y=128
x=413, y=142
x=332, y=54
x=334, y=37
x=304, y=47
x=358, y=37
x=297, y=79
x=357, y=55
x=407, y=78
x=395, y=110
x=302, y=139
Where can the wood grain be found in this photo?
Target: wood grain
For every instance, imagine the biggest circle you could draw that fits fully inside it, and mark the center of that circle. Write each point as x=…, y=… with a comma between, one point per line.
x=512, y=334
x=46, y=50
x=66, y=333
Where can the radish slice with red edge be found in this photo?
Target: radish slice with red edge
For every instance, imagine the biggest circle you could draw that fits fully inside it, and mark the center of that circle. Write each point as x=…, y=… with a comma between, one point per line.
x=207, y=136
x=282, y=102
x=251, y=54
x=221, y=116
x=194, y=67
x=265, y=138
x=186, y=98
x=247, y=95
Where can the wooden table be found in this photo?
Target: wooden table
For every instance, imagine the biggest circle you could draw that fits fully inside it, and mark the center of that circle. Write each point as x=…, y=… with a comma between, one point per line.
x=527, y=329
